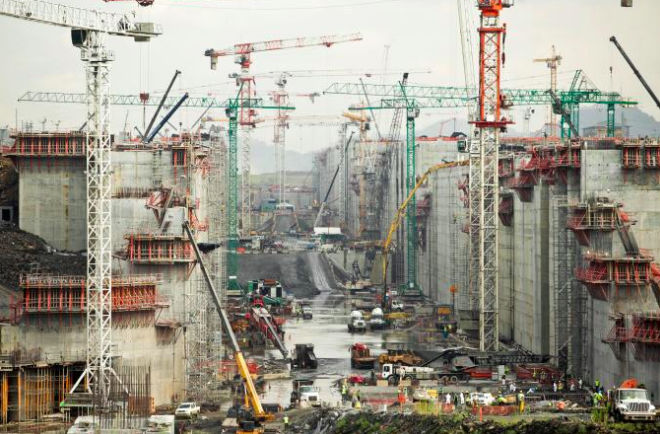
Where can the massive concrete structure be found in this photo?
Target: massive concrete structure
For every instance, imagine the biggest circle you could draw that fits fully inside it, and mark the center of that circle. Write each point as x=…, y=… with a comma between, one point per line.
x=577, y=246
x=161, y=315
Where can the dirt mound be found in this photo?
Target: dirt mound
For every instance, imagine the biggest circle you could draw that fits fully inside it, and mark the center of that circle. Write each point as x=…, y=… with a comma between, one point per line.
x=8, y=183
x=23, y=252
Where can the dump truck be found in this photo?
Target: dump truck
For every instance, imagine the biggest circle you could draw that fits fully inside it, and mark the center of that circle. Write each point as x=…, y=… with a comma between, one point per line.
x=361, y=357
x=304, y=357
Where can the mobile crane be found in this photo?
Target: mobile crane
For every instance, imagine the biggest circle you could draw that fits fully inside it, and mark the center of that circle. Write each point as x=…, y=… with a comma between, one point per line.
x=252, y=424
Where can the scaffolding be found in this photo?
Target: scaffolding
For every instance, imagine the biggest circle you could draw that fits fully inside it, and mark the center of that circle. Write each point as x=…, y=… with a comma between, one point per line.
x=146, y=248
x=65, y=144
x=603, y=272
x=134, y=300
x=645, y=336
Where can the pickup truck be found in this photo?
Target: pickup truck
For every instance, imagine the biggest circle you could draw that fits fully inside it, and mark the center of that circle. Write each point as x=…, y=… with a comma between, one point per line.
x=631, y=405
x=307, y=312
x=187, y=410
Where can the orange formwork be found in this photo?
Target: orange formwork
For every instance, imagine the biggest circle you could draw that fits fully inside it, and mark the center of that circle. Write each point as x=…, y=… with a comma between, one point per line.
x=48, y=294
x=159, y=249
x=66, y=144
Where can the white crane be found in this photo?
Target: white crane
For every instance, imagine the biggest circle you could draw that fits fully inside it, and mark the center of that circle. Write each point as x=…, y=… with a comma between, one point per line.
x=89, y=29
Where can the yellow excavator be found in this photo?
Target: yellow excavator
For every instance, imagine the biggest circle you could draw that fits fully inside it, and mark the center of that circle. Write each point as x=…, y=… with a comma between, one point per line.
x=401, y=213
x=254, y=423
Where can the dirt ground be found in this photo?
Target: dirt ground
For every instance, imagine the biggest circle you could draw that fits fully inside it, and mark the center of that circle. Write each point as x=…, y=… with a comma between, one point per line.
x=23, y=252
x=294, y=270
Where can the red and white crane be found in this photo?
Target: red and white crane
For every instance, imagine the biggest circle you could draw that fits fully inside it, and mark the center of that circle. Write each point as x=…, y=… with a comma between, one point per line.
x=489, y=122
x=247, y=116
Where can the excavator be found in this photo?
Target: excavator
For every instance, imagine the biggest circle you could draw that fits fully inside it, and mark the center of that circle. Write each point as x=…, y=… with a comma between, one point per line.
x=401, y=214
x=250, y=422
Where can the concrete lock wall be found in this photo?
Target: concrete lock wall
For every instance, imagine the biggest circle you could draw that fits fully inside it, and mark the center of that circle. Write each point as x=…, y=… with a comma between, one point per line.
x=639, y=191
x=52, y=201
x=52, y=204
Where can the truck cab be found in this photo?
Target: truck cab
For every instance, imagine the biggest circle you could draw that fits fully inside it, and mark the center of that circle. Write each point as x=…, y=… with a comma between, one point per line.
x=309, y=396
x=632, y=405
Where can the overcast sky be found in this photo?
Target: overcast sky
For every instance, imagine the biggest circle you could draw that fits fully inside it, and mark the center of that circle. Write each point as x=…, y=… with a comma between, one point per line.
x=421, y=35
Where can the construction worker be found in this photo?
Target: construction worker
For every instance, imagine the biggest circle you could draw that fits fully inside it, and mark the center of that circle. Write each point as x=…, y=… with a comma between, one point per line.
x=597, y=384
x=580, y=384
x=344, y=392
x=554, y=386
x=286, y=422
x=521, y=402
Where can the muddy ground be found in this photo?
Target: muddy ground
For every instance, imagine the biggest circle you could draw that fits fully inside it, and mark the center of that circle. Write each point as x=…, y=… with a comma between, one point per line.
x=294, y=270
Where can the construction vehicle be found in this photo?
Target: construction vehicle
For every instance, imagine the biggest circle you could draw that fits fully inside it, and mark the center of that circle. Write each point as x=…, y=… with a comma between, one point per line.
x=356, y=323
x=304, y=357
x=635, y=70
x=395, y=373
x=361, y=357
x=630, y=403
x=399, y=356
x=269, y=291
x=376, y=321
x=250, y=422
x=262, y=320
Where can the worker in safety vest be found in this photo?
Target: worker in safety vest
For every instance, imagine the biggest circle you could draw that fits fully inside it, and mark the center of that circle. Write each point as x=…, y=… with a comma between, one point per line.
x=521, y=402
x=286, y=422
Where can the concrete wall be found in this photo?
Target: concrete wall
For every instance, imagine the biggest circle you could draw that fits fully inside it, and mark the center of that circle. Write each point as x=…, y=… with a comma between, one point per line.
x=52, y=201
x=639, y=191
x=53, y=206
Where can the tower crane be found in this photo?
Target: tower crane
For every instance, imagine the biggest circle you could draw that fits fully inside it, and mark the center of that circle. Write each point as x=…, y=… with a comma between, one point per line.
x=247, y=117
x=489, y=122
x=553, y=61
x=89, y=31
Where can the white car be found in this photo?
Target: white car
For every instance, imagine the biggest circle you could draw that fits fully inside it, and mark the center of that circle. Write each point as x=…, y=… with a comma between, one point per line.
x=422, y=395
x=187, y=410
x=482, y=399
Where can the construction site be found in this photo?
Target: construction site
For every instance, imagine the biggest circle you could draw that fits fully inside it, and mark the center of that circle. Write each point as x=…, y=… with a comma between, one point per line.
x=368, y=246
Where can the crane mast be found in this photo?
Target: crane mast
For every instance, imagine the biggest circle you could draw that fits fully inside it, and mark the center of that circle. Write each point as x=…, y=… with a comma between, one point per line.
x=89, y=30
x=489, y=122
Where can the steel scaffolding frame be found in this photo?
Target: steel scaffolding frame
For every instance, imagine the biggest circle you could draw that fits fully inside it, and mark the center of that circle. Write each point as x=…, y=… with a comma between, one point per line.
x=486, y=187
x=563, y=255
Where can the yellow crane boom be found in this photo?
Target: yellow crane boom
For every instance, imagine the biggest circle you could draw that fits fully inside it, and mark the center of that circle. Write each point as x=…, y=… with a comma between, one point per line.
x=401, y=212
x=253, y=396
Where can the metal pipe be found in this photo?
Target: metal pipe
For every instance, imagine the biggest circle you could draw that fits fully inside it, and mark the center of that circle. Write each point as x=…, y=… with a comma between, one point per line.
x=636, y=71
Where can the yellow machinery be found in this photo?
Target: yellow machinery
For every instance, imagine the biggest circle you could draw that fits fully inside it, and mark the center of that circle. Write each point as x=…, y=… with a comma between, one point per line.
x=258, y=412
x=401, y=212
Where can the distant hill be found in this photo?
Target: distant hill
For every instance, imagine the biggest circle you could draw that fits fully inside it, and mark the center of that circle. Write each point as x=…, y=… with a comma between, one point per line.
x=640, y=122
x=262, y=156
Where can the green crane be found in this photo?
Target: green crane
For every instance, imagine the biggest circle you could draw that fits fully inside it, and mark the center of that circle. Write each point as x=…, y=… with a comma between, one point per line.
x=415, y=98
